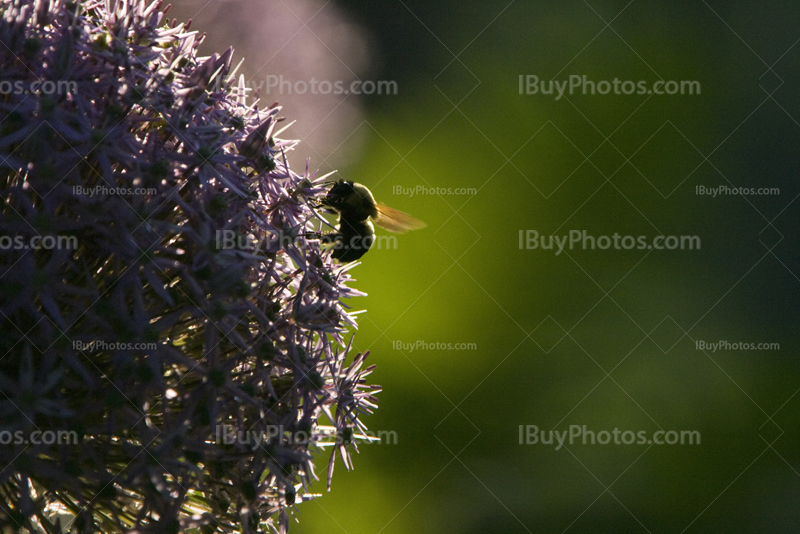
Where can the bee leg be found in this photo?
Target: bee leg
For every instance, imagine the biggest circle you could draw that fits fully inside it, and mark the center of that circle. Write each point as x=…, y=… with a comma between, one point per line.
x=346, y=248
x=326, y=238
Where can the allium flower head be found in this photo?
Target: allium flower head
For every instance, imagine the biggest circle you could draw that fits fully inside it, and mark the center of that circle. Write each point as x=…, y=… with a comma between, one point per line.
x=153, y=334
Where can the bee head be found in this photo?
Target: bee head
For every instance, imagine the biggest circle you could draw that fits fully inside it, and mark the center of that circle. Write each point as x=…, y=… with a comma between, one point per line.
x=351, y=199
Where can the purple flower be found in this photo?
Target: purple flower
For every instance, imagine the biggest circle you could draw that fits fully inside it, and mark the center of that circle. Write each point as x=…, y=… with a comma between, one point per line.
x=160, y=304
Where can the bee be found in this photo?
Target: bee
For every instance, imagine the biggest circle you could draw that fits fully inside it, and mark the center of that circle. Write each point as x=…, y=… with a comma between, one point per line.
x=356, y=206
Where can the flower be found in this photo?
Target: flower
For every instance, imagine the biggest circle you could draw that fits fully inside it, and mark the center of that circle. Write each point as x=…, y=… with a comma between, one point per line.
x=132, y=317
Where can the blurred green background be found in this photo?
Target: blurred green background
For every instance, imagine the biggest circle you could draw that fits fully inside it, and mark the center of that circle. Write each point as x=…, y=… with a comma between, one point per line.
x=603, y=338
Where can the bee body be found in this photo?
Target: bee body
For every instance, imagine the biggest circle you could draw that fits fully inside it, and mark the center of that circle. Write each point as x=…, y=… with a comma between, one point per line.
x=355, y=233
x=353, y=239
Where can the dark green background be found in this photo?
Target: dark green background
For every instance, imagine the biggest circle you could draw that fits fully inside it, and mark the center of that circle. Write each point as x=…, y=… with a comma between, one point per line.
x=598, y=338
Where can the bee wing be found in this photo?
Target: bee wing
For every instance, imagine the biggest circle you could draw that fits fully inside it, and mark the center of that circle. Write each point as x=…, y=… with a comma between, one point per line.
x=395, y=220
